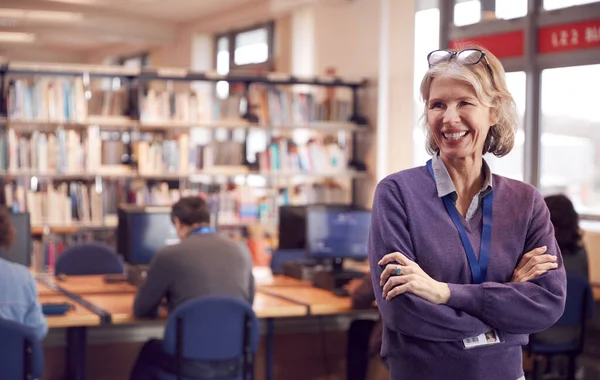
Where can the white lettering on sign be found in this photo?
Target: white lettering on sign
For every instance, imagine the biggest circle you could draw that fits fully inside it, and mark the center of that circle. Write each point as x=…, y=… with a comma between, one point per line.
x=592, y=34
x=566, y=38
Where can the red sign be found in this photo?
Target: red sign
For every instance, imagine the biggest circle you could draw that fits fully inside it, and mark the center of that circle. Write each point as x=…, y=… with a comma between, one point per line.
x=576, y=36
x=503, y=45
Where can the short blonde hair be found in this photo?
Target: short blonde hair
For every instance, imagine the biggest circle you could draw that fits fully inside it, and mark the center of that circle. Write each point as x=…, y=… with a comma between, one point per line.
x=492, y=92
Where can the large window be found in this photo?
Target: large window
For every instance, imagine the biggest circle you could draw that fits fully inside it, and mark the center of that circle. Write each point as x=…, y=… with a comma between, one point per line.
x=557, y=4
x=570, y=140
x=468, y=12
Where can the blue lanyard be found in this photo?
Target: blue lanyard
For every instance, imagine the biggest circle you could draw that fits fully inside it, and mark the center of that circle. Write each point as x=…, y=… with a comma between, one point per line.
x=478, y=268
x=202, y=230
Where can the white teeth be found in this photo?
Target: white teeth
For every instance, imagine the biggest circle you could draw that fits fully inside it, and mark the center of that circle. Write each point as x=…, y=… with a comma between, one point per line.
x=454, y=136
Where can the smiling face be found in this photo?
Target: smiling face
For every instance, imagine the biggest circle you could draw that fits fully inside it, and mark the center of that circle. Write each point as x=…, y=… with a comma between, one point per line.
x=458, y=121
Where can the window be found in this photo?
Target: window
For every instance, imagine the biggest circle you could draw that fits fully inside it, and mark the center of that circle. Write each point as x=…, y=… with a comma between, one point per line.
x=467, y=12
x=427, y=38
x=251, y=47
x=557, y=4
x=570, y=126
x=512, y=165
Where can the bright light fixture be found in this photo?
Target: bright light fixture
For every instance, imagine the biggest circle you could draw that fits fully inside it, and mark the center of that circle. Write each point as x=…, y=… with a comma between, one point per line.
x=17, y=37
x=25, y=14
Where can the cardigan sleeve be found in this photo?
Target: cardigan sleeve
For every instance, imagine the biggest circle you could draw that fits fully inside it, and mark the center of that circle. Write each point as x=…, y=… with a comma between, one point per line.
x=523, y=307
x=408, y=313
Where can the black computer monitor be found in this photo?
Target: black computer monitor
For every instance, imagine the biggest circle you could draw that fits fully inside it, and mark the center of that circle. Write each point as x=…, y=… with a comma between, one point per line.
x=337, y=232
x=142, y=231
x=292, y=227
x=21, y=249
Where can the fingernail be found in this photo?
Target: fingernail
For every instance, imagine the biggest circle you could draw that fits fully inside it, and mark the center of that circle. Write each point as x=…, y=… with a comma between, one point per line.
x=555, y=265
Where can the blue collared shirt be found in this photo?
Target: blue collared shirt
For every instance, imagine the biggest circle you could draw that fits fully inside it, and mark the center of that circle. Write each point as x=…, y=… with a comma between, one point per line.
x=445, y=186
x=19, y=299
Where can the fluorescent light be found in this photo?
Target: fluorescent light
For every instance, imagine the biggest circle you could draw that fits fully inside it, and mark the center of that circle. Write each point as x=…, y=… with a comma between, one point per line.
x=17, y=37
x=25, y=14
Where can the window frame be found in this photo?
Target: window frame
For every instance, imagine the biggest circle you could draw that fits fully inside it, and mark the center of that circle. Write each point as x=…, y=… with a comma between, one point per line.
x=231, y=35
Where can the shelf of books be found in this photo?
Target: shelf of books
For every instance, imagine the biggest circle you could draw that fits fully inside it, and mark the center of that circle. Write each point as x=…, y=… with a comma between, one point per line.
x=76, y=141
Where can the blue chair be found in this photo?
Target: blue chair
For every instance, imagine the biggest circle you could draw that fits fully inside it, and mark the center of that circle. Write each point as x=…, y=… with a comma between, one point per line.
x=281, y=256
x=209, y=331
x=578, y=309
x=89, y=258
x=21, y=352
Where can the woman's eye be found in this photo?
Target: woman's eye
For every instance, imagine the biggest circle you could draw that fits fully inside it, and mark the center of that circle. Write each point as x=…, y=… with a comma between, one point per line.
x=436, y=105
x=463, y=103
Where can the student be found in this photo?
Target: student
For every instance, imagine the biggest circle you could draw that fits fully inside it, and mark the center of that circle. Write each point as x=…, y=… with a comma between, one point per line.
x=19, y=296
x=203, y=263
x=363, y=360
x=447, y=237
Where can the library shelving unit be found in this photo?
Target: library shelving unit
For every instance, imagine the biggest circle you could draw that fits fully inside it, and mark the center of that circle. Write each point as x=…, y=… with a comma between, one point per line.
x=78, y=140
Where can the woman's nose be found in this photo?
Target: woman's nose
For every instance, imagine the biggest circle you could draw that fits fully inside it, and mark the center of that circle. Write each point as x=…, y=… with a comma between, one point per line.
x=451, y=116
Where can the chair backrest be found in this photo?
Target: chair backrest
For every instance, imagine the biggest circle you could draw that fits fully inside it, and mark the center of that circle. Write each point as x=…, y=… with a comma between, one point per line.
x=21, y=352
x=281, y=256
x=213, y=328
x=579, y=305
x=89, y=258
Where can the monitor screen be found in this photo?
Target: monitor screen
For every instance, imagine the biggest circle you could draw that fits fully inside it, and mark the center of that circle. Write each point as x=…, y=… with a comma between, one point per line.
x=337, y=233
x=20, y=251
x=292, y=227
x=143, y=233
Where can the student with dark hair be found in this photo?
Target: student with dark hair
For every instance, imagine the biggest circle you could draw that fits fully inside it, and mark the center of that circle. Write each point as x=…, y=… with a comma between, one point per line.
x=19, y=298
x=565, y=220
x=203, y=263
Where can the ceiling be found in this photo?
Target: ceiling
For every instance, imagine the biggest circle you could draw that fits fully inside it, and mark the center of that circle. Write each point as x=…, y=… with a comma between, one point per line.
x=68, y=30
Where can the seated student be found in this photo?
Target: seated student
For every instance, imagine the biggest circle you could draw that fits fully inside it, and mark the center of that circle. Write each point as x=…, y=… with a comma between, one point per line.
x=203, y=263
x=19, y=296
x=565, y=220
x=363, y=358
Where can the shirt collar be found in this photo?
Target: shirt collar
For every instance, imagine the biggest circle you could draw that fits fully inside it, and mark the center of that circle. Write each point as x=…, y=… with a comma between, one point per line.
x=444, y=183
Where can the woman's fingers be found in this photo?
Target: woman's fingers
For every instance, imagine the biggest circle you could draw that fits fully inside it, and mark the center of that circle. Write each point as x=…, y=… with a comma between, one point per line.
x=394, y=257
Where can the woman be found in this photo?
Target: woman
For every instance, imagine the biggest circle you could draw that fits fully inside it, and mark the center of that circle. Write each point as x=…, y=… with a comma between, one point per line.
x=447, y=239
x=18, y=298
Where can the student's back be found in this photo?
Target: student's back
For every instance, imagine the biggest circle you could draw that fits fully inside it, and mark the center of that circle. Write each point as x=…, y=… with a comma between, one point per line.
x=18, y=291
x=200, y=265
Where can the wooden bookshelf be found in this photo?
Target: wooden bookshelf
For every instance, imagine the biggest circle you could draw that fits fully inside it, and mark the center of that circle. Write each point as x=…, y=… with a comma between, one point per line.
x=45, y=99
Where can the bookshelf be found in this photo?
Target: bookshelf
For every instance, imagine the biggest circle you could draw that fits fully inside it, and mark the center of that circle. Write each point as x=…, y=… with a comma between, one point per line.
x=78, y=140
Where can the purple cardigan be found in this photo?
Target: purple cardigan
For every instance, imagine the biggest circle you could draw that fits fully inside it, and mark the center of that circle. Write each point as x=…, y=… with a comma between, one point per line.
x=422, y=340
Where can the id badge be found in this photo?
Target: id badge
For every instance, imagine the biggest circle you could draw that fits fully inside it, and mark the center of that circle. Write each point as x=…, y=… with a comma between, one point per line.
x=486, y=339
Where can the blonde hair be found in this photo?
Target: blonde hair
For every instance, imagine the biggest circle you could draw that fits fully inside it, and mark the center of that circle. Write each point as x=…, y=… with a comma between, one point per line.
x=491, y=92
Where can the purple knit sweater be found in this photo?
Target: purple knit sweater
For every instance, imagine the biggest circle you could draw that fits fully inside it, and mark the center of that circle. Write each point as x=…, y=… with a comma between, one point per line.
x=422, y=340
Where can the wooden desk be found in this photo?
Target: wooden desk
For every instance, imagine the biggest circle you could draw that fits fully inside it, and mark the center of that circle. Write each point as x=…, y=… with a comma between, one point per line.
x=279, y=280
x=83, y=285
x=44, y=290
x=320, y=301
x=73, y=318
x=120, y=306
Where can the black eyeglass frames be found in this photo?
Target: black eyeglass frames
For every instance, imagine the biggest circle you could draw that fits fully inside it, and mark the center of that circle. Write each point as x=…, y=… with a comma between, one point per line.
x=465, y=57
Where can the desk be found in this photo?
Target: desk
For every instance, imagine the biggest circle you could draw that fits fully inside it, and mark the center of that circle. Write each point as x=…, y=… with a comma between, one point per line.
x=73, y=318
x=279, y=280
x=95, y=284
x=319, y=301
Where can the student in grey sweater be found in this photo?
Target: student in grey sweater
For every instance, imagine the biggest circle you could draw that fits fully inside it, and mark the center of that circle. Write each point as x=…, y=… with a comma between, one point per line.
x=203, y=263
x=458, y=296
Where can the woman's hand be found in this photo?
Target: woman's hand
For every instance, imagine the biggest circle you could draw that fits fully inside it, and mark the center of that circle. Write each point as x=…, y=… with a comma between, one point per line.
x=407, y=276
x=533, y=264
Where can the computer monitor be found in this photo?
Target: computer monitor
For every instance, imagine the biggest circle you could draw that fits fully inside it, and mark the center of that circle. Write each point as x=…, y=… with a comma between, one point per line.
x=337, y=232
x=21, y=249
x=292, y=227
x=142, y=231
